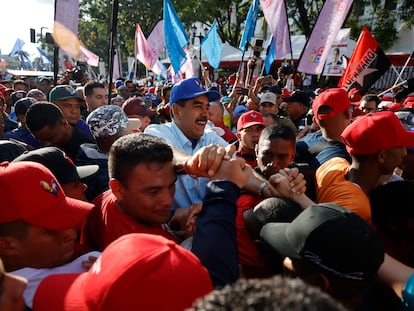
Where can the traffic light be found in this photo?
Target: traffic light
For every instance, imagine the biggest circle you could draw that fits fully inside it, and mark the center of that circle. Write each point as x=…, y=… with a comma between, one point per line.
x=32, y=35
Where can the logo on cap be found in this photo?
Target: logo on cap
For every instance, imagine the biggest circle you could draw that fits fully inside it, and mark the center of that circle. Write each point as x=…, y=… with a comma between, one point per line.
x=70, y=90
x=51, y=188
x=197, y=82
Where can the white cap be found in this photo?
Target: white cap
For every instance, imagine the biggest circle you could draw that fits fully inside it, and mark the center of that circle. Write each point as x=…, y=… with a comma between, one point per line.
x=268, y=97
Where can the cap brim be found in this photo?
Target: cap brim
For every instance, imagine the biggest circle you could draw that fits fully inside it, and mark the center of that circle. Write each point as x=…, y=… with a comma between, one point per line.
x=251, y=124
x=274, y=235
x=61, y=292
x=86, y=170
x=69, y=97
x=218, y=130
x=69, y=214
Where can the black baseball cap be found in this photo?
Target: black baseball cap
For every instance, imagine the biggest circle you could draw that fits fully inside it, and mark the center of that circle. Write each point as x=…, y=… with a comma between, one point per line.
x=331, y=237
x=299, y=96
x=21, y=106
x=15, y=96
x=59, y=164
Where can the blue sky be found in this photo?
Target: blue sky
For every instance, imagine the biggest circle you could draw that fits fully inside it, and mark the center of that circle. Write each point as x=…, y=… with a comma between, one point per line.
x=18, y=16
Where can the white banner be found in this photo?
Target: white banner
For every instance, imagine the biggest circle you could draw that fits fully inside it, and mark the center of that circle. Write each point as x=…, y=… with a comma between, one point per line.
x=335, y=64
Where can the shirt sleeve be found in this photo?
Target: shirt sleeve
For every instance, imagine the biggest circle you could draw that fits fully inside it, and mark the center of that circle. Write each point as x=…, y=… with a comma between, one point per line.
x=214, y=241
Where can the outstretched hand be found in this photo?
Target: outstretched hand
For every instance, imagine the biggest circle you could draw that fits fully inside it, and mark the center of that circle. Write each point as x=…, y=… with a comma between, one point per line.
x=206, y=161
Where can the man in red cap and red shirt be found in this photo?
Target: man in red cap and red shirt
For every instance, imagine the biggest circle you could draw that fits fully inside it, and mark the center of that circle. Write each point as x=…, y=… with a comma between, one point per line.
x=249, y=127
x=38, y=230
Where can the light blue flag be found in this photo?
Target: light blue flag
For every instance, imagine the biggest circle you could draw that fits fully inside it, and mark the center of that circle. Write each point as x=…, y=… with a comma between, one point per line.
x=43, y=56
x=250, y=25
x=176, y=37
x=17, y=47
x=270, y=55
x=212, y=46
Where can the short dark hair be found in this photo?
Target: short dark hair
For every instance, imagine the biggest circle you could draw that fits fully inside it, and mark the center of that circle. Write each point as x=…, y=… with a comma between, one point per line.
x=21, y=82
x=43, y=114
x=276, y=293
x=167, y=87
x=130, y=150
x=88, y=88
x=278, y=131
x=371, y=97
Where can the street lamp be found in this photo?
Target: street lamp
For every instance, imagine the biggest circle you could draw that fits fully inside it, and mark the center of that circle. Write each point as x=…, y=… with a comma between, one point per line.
x=200, y=37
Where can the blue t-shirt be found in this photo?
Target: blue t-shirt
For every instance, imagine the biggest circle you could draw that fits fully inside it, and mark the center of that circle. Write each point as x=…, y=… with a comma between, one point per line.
x=315, y=150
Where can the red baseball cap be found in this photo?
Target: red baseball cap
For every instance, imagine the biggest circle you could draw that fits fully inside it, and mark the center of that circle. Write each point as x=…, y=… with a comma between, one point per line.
x=355, y=94
x=337, y=99
x=376, y=132
x=135, y=106
x=409, y=102
x=4, y=89
x=248, y=119
x=135, y=272
x=32, y=194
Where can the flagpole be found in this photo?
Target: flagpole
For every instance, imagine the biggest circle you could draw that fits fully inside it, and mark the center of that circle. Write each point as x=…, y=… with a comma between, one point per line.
x=392, y=87
x=264, y=61
x=290, y=41
x=55, y=55
x=114, y=23
x=402, y=70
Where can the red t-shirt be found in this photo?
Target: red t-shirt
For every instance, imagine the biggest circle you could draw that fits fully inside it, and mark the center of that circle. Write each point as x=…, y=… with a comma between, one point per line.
x=106, y=223
x=252, y=261
x=250, y=158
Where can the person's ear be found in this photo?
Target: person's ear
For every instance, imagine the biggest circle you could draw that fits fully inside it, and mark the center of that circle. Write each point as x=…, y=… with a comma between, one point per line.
x=381, y=157
x=320, y=280
x=176, y=112
x=117, y=189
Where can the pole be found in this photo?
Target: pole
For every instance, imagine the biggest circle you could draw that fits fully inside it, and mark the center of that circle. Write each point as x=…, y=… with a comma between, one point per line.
x=402, y=70
x=55, y=56
x=112, y=42
x=200, y=37
x=392, y=87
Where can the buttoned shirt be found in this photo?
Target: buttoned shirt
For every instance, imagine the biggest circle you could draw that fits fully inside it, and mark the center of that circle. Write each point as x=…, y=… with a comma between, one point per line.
x=189, y=189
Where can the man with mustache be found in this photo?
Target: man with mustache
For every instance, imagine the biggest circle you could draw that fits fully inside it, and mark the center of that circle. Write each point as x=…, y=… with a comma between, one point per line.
x=189, y=107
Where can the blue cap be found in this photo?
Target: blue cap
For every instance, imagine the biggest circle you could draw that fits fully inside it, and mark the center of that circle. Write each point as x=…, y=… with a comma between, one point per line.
x=239, y=110
x=225, y=99
x=190, y=88
x=118, y=83
x=152, y=98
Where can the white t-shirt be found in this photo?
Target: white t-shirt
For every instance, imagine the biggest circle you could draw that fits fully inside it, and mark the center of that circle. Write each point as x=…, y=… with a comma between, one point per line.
x=35, y=276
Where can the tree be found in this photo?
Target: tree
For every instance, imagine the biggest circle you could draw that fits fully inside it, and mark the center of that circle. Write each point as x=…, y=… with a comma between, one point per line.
x=95, y=18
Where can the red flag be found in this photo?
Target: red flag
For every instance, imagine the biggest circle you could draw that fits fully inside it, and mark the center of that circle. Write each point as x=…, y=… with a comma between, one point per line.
x=366, y=65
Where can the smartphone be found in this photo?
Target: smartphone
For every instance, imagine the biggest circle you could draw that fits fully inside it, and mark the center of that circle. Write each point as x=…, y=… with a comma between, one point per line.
x=242, y=90
x=258, y=47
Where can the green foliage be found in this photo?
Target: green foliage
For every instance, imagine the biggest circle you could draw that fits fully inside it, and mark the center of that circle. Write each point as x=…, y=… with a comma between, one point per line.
x=95, y=19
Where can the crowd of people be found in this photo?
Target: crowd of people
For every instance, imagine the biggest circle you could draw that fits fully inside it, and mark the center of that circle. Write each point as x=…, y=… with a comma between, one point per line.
x=240, y=193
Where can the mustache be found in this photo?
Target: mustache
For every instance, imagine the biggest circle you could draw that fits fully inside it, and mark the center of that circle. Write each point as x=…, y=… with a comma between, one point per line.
x=202, y=119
